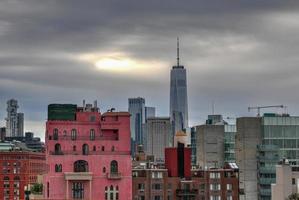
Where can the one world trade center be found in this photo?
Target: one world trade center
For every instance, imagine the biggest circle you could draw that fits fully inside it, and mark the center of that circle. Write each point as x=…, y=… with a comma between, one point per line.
x=178, y=96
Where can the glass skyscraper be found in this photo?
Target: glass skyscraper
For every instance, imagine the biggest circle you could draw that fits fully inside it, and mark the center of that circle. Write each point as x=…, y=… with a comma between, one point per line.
x=178, y=96
x=137, y=111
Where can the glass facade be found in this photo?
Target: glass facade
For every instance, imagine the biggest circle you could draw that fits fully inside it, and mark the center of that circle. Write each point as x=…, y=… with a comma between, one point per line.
x=280, y=139
x=229, y=143
x=284, y=133
x=193, y=145
x=267, y=160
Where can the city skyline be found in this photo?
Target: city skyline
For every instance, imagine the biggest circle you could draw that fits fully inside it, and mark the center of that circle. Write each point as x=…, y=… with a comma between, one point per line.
x=237, y=55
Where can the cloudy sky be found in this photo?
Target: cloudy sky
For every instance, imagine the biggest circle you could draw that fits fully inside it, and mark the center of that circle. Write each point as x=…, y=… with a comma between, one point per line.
x=237, y=53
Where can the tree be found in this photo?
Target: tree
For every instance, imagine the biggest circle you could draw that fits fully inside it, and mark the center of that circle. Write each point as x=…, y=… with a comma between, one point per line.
x=37, y=188
x=294, y=196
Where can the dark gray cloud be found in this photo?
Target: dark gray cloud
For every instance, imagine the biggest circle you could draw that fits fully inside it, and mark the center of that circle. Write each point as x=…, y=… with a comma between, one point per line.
x=238, y=53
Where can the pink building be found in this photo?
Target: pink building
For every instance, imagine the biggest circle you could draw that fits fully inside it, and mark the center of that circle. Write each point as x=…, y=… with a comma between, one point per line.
x=88, y=154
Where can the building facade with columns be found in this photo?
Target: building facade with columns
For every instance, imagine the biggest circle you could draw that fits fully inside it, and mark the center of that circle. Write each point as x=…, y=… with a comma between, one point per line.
x=88, y=153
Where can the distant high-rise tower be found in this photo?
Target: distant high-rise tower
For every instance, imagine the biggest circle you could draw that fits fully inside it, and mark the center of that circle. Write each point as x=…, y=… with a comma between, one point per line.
x=150, y=112
x=20, y=124
x=137, y=112
x=14, y=120
x=178, y=96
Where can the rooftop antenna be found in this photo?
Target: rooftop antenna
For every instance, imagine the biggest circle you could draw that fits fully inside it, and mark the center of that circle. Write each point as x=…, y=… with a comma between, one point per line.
x=178, y=52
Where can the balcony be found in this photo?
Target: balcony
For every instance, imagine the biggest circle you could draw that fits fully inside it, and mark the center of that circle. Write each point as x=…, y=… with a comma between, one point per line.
x=114, y=176
x=78, y=176
x=186, y=192
x=87, y=138
x=56, y=153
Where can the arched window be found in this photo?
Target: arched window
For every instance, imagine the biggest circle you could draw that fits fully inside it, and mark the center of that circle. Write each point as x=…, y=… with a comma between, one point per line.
x=92, y=134
x=74, y=134
x=106, y=193
x=113, y=167
x=55, y=134
x=81, y=166
x=85, y=149
x=111, y=192
x=116, y=193
x=58, y=168
x=58, y=149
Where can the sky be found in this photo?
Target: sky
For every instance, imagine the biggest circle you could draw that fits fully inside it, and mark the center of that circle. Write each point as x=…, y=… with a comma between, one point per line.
x=237, y=53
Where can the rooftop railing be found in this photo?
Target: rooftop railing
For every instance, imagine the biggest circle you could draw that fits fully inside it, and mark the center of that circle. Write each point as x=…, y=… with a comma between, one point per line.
x=89, y=153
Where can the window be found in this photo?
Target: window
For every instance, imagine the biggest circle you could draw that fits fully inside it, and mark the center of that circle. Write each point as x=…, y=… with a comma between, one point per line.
x=16, y=182
x=81, y=166
x=92, y=134
x=157, y=197
x=157, y=175
x=74, y=134
x=55, y=134
x=215, y=198
x=156, y=186
x=103, y=148
x=94, y=148
x=169, y=186
x=214, y=186
x=229, y=197
x=58, y=149
x=111, y=193
x=293, y=181
x=48, y=189
x=85, y=149
x=214, y=175
x=78, y=190
x=113, y=167
x=58, y=168
x=74, y=148
x=112, y=148
x=141, y=186
x=229, y=186
x=104, y=169
x=92, y=118
x=6, y=182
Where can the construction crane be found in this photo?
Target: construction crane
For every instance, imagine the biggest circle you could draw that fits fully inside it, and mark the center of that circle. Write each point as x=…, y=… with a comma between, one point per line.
x=258, y=108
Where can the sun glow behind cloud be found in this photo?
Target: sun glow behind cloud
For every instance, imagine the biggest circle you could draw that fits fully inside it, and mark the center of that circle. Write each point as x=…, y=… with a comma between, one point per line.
x=122, y=63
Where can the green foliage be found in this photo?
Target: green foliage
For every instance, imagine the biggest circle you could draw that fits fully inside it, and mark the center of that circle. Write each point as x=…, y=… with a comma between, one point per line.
x=37, y=188
x=294, y=196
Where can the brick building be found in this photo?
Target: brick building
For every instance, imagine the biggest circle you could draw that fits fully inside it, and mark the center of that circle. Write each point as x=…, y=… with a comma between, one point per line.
x=177, y=181
x=18, y=169
x=153, y=183
x=88, y=153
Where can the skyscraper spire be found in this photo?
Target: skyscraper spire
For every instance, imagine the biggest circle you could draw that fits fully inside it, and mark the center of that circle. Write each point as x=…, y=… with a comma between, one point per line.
x=178, y=52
